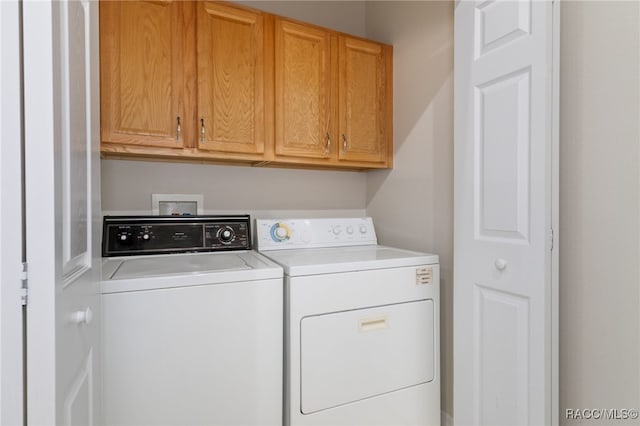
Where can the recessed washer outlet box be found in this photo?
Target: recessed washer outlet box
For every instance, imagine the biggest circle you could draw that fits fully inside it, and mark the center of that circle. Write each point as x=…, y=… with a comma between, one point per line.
x=177, y=204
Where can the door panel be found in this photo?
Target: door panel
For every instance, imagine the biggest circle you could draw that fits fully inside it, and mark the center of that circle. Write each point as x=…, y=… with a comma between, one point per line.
x=502, y=323
x=76, y=142
x=231, y=79
x=78, y=405
x=502, y=114
x=303, y=74
x=63, y=211
x=499, y=23
x=504, y=124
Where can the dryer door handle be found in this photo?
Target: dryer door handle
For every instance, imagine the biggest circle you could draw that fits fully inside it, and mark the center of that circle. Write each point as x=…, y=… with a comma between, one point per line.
x=371, y=324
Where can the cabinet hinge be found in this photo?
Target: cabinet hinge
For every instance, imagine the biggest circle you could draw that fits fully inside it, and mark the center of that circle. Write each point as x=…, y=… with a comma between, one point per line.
x=551, y=238
x=24, y=287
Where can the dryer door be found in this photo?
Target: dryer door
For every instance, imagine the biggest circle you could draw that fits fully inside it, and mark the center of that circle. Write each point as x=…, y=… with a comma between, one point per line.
x=352, y=355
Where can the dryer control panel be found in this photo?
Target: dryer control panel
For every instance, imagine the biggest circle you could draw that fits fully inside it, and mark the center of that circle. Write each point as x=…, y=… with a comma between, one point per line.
x=283, y=234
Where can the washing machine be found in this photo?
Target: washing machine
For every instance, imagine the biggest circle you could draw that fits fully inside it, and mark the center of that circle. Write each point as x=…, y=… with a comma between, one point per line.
x=361, y=324
x=192, y=323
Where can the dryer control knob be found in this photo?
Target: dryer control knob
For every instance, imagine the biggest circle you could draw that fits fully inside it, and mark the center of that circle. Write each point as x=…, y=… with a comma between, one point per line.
x=363, y=229
x=280, y=232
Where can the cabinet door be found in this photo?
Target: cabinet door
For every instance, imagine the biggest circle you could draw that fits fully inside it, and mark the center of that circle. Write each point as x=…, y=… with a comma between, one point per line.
x=303, y=95
x=365, y=101
x=142, y=81
x=231, y=79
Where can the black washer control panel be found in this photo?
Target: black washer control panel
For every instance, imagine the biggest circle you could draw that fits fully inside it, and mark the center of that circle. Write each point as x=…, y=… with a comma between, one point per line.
x=138, y=235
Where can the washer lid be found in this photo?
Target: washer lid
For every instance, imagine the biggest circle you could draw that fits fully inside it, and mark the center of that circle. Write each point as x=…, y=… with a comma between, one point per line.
x=141, y=267
x=347, y=259
x=180, y=270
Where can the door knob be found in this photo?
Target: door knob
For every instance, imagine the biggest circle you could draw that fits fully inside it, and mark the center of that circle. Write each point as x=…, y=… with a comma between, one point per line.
x=82, y=317
x=500, y=264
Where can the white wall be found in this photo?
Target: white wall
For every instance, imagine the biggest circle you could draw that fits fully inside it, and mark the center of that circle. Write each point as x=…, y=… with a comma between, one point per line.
x=599, y=207
x=412, y=204
x=345, y=16
x=127, y=185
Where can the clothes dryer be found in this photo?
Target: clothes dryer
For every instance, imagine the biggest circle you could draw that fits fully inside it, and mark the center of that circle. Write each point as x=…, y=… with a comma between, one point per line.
x=361, y=324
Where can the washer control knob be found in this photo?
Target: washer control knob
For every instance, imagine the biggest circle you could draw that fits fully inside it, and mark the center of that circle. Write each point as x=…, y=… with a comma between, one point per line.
x=145, y=236
x=349, y=229
x=336, y=229
x=124, y=238
x=363, y=229
x=225, y=235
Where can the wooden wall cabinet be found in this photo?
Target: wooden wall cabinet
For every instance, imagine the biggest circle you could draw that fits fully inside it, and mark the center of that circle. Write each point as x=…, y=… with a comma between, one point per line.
x=143, y=82
x=212, y=81
x=304, y=76
x=231, y=50
x=183, y=80
x=333, y=98
x=365, y=101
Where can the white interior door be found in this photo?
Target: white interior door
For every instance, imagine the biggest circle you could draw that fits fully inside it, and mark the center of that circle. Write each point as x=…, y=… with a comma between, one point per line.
x=11, y=386
x=505, y=304
x=62, y=211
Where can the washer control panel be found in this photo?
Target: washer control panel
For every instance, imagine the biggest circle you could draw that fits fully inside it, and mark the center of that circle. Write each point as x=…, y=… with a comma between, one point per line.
x=282, y=234
x=137, y=235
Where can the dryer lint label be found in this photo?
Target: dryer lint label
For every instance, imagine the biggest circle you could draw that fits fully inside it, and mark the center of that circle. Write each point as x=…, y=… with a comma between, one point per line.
x=424, y=275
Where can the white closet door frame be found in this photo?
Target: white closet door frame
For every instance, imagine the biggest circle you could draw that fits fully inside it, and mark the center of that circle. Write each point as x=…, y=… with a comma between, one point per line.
x=11, y=244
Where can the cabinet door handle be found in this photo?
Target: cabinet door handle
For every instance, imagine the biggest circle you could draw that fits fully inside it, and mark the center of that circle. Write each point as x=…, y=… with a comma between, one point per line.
x=327, y=149
x=202, y=131
x=344, y=143
x=178, y=129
